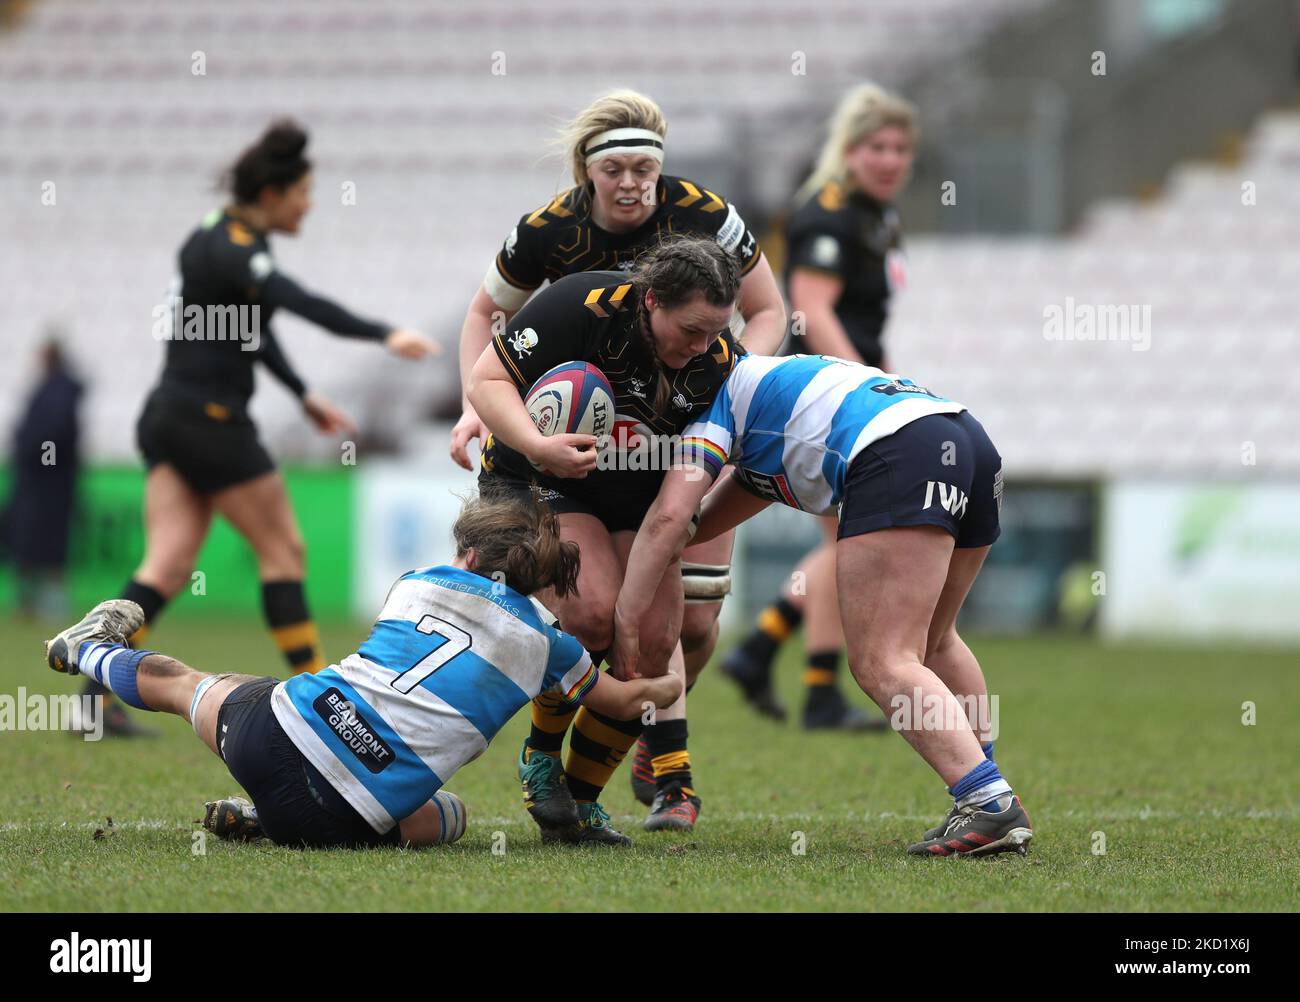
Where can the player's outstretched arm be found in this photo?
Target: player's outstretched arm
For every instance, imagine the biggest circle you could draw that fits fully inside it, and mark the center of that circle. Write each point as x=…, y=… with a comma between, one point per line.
x=280, y=291
x=663, y=535
x=627, y=700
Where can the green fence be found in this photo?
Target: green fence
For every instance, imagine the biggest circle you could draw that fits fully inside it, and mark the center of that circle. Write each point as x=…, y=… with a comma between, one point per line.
x=108, y=542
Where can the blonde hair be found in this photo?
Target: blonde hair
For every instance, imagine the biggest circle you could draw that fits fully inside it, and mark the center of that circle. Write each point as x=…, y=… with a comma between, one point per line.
x=620, y=109
x=863, y=111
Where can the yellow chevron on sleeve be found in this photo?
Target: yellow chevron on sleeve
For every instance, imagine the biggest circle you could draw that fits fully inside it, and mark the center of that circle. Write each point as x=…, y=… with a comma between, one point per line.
x=831, y=197
x=593, y=302
x=692, y=195
x=715, y=204
x=616, y=297
x=554, y=208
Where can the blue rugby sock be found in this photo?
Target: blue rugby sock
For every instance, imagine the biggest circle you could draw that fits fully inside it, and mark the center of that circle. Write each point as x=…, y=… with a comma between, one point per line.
x=114, y=666
x=988, y=750
x=981, y=787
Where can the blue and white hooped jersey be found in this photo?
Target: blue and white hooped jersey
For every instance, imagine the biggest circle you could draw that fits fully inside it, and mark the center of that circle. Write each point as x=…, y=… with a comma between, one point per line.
x=450, y=659
x=792, y=425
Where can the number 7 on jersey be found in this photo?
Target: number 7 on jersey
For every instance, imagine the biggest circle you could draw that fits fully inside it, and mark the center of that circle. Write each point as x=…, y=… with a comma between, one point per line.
x=455, y=641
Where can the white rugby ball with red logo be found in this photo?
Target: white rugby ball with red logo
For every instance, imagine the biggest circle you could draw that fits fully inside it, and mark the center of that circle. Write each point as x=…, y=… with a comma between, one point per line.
x=572, y=399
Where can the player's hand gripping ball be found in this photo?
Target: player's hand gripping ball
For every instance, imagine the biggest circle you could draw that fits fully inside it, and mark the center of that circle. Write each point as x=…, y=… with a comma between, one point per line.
x=572, y=399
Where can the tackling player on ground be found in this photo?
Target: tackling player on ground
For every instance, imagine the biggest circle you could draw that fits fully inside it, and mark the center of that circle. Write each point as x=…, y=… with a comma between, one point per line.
x=621, y=206
x=918, y=487
x=843, y=263
x=357, y=754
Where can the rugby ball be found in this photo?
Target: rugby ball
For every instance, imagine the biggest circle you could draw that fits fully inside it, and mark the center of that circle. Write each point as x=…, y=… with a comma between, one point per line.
x=572, y=399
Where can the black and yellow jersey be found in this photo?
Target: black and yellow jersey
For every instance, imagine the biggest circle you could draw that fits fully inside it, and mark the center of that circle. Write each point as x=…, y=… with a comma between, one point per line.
x=859, y=241
x=217, y=319
x=560, y=238
x=596, y=317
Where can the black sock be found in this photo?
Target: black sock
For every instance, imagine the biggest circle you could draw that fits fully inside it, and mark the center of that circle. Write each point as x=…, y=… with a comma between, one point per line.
x=284, y=604
x=820, y=675
x=597, y=744
x=666, y=742
x=774, y=625
x=149, y=599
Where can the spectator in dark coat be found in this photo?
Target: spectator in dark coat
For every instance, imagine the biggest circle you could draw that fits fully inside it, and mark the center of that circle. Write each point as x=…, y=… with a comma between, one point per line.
x=44, y=462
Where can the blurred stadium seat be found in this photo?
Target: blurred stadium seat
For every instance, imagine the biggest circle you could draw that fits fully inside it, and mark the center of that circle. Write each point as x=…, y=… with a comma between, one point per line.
x=400, y=99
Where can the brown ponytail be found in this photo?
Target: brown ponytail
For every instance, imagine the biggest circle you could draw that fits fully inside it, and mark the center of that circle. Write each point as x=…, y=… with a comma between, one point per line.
x=517, y=542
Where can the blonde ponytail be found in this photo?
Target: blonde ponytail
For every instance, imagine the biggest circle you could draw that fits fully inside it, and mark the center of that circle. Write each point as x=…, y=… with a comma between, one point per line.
x=864, y=110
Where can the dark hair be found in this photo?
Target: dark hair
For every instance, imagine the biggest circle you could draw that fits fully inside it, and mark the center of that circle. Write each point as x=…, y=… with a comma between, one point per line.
x=517, y=541
x=676, y=270
x=276, y=160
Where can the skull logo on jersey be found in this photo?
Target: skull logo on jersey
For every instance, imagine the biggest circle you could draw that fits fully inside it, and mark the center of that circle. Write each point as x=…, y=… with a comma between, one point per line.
x=524, y=342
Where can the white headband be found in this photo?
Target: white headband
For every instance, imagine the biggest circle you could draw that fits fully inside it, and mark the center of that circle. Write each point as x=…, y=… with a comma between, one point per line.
x=624, y=141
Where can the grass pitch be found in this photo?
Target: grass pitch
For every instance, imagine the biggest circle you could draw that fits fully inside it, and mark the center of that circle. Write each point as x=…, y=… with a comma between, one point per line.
x=1142, y=747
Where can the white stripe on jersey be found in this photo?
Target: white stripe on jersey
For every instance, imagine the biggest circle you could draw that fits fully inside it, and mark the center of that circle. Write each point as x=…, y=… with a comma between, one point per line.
x=316, y=751
x=896, y=416
x=515, y=652
x=803, y=456
x=804, y=400
x=743, y=381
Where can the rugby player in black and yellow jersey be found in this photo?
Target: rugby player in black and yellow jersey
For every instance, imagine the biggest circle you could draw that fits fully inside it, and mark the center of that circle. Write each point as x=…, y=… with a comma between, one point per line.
x=201, y=446
x=622, y=205
x=843, y=263
x=661, y=335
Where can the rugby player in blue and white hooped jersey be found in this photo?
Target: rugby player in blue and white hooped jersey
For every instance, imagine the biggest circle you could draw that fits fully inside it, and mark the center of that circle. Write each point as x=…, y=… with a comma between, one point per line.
x=917, y=485
x=357, y=754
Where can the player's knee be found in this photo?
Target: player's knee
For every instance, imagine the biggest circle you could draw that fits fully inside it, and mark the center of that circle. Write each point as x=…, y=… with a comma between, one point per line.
x=942, y=645
x=881, y=673
x=168, y=575
x=592, y=622
x=699, y=625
